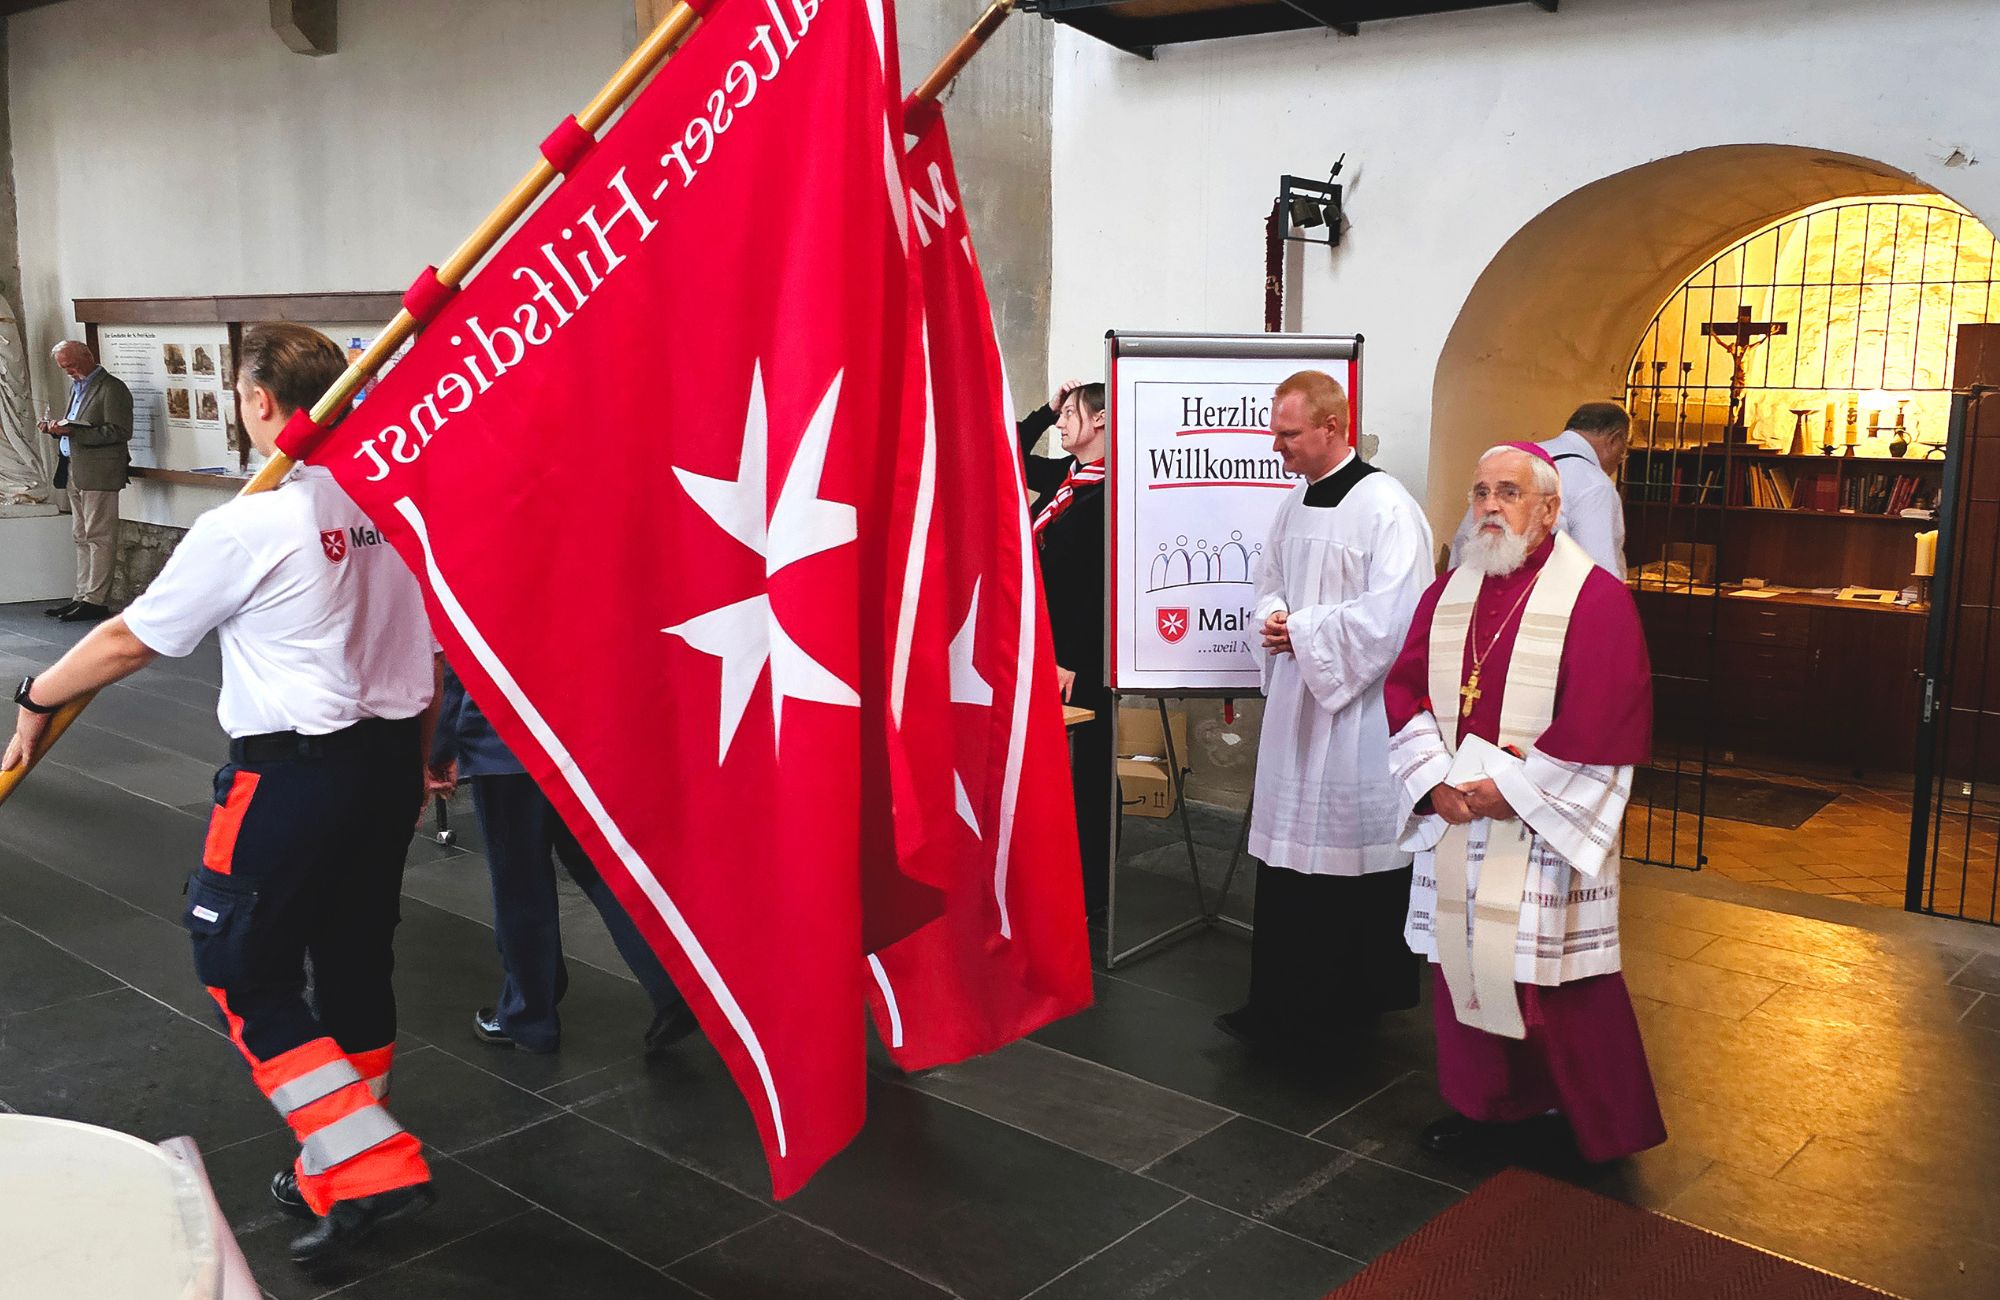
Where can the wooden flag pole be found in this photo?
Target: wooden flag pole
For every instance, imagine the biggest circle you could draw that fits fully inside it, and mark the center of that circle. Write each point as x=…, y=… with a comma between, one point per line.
x=652, y=52
x=961, y=53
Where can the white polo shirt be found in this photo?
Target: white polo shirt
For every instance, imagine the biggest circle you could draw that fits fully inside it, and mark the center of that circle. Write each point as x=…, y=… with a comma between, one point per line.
x=321, y=623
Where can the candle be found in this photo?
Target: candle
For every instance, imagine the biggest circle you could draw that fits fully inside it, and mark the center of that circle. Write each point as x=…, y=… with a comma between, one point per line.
x=1826, y=430
x=1926, y=564
x=1853, y=418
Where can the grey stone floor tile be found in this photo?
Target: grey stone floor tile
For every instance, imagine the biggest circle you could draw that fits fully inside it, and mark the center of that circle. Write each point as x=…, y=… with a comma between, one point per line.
x=1907, y=1182
x=452, y=1104
x=1985, y=1013
x=133, y=708
x=1210, y=966
x=35, y=974
x=784, y=1259
x=1198, y=1252
x=1690, y=984
x=447, y=968
x=999, y=1211
x=1335, y=1198
x=532, y=1254
x=1982, y=974
x=1849, y=1237
x=1663, y=937
x=1920, y=973
x=1174, y=1043
x=163, y=776
x=1938, y=1007
x=122, y=1060
x=129, y=847
x=149, y=952
x=633, y=1197
x=683, y=1105
x=1074, y=1103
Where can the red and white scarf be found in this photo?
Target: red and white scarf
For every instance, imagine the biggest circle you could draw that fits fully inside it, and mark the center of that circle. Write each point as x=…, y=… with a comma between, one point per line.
x=1078, y=476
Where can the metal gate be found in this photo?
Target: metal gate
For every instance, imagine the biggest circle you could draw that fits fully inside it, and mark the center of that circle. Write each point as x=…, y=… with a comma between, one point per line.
x=1955, y=822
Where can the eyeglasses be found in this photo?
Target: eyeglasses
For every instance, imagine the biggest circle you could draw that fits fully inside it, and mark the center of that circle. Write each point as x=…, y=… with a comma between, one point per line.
x=1506, y=494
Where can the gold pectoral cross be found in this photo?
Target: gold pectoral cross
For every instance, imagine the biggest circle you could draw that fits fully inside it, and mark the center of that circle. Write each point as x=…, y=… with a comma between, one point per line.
x=1469, y=693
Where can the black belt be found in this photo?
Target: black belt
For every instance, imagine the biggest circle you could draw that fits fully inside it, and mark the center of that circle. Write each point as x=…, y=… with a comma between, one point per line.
x=291, y=747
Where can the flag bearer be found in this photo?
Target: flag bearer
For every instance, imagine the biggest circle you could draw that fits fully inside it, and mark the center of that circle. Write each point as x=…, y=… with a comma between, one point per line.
x=328, y=679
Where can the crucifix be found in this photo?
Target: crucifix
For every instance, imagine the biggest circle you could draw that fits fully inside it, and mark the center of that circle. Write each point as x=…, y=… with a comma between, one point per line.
x=1470, y=693
x=1736, y=338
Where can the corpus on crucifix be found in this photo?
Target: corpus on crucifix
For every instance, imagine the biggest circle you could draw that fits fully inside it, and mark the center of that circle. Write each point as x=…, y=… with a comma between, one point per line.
x=1737, y=337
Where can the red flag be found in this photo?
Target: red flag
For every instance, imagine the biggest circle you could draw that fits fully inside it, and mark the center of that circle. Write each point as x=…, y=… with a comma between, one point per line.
x=1011, y=952
x=639, y=464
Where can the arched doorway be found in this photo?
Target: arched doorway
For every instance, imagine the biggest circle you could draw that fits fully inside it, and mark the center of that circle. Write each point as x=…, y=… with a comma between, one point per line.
x=1568, y=309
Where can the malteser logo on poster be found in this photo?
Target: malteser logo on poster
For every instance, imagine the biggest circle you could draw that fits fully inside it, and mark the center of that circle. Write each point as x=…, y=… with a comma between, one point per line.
x=1172, y=624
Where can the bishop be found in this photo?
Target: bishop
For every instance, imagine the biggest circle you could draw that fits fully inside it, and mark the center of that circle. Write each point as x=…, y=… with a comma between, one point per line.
x=1511, y=794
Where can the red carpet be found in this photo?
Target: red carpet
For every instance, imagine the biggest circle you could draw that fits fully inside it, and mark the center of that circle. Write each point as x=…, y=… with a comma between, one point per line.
x=1521, y=1236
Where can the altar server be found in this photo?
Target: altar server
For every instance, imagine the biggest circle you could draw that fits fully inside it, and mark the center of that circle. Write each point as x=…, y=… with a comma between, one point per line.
x=1347, y=559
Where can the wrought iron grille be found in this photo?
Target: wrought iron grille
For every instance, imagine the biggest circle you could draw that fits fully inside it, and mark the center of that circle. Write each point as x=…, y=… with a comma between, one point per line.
x=1846, y=317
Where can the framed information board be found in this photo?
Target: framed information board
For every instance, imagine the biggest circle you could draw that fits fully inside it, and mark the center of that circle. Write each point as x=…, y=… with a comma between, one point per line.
x=178, y=356
x=1194, y=484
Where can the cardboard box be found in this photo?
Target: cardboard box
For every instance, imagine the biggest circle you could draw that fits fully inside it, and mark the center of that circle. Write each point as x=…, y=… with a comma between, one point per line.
x=1143, y=787
x=1139, y=734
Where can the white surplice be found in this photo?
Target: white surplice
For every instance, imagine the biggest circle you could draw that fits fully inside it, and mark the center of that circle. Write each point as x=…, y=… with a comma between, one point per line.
x=1349, y=576
x=1569, y=914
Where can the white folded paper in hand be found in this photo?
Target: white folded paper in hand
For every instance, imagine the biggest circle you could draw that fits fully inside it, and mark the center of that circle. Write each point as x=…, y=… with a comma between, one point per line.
x=1477, y=759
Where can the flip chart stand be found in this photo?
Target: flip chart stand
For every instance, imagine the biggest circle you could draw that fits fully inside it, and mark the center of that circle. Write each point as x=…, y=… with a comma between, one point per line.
x=1207, y=915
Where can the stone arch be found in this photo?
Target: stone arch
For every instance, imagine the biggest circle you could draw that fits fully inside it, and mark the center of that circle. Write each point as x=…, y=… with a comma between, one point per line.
x=1553, y=318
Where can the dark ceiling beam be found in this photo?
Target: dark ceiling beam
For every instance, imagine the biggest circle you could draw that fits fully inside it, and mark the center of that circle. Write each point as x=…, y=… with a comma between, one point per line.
x=1111, y=22
x=1327, y=13
x=307, y=26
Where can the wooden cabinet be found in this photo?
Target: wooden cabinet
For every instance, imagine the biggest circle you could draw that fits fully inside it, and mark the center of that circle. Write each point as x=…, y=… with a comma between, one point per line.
x=1796, y=677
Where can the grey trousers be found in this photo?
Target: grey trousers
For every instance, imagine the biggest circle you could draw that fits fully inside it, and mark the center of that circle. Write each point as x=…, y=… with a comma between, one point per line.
x=94, y=525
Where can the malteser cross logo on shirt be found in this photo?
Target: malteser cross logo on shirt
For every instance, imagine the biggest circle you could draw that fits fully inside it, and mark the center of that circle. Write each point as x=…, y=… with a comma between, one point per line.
x=337, y=541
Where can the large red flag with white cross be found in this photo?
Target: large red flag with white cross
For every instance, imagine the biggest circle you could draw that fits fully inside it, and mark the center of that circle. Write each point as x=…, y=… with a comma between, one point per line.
x=646, y=466
x=1011, y=952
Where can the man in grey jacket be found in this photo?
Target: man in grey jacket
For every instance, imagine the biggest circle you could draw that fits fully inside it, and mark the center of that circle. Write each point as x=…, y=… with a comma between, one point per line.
x=93, y=435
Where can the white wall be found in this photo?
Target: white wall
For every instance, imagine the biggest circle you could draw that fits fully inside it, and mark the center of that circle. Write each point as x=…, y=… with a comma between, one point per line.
x=179, y=148
x=1460, y=130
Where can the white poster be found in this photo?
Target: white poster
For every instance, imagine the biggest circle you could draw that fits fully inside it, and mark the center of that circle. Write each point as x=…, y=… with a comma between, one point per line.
x=176, y=374
x=1194, y=483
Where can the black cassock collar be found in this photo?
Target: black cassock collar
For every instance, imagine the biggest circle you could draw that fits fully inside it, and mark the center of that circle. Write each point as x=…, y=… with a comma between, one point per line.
x=1333, y=489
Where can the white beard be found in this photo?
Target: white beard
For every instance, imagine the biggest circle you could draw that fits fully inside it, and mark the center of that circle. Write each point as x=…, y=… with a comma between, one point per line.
x=1494, y=552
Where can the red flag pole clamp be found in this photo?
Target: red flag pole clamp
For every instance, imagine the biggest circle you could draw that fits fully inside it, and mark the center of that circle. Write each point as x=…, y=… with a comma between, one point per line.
x=301, y=436
x=567, y=145
x=427, y=296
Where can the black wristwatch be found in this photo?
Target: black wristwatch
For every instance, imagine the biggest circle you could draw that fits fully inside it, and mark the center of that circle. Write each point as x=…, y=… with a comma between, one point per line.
x=22, y=698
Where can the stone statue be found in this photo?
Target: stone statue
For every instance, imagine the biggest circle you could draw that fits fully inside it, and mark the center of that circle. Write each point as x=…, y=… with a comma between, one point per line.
x=23, y=481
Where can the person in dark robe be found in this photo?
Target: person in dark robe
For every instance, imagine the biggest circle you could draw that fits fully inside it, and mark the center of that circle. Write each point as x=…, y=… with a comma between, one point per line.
x=1067, y=506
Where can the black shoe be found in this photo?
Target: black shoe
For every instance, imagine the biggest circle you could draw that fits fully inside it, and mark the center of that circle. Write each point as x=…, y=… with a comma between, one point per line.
x=1455, y=1134
x=1245, y=1027
x=347, y=1222
x=669, y=1027
x=285, y=1191
x=57, y=611
x=486, y=1028
x=83, y=612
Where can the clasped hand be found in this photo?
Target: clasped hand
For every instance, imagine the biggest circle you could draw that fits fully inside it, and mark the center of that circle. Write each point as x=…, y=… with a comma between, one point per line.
x=1277, y=637
x=1459, y=805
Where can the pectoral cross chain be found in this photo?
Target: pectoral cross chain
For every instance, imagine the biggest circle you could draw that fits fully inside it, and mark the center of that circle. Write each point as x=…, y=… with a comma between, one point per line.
x=1469, y=693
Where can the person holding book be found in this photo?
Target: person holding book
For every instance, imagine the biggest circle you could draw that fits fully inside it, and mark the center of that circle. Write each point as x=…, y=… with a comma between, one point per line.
x=93, y=436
